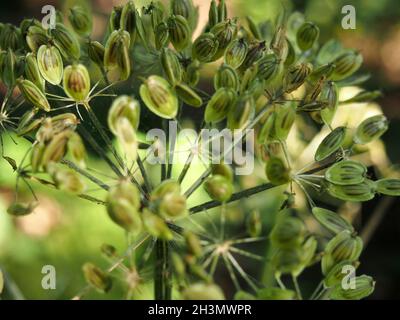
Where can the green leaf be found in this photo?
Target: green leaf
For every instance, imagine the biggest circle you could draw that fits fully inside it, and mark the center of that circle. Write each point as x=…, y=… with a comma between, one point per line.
x=331, y=220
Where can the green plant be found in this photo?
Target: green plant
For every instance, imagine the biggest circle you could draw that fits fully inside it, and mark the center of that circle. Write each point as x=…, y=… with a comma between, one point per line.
x=273, y=78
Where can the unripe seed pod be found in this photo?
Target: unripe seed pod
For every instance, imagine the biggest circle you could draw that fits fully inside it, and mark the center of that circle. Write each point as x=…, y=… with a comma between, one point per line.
x=346, y=172
x=117, y=41
x=284, y=121
x=166, y=187
x=192, y=74
x=323, y=71
x=81, y=20
x=255, y=53
x=156, y=11
x=223, y=170
x=188, y=95
x=236, y=53
x=159, y=97
x=178, y=264
x=371, y=129
x=33, y=94
x=27, y=124
x=267, y=132
x=77, y=149
x=193, y=244
x=330, y=144
x=172, y=206
x=225, y=32
x=126, y=135
x=66, y=180
x=97, y=278
x=330, y=96
x=140, y=29
x=45, y=132
x=205, y=47
x=344, y=246
x=184, y=8
x=32, y=72
x=331, y=220
x=307, y=35
x=364, y=286
x=171, y=66
x=287, y=260
x=219, y=105
x=203, y=291
x=96, y=52
x=128, y=20
x=115, y=19
x=10, y=69
x=363, y=96
x=123, y=202
x=124, y=106
x=37, y=156
x=213, y=14
x=269, y=68
x=21, y=209
x=226, y=77
x=50, y=64
x=253, y=28
x=297, y=75
x=272, y=293
x=218, y=188
x=66, y=42
x=222, y=10
x=291, y=54
x=11, y=37
x=64, y=121
x=336, y=275
x=76, y=82
x=346, y=64
x=277, y=172
x=108, y=250
x=242, y=112
x=179, y=32
x=156, y=226
x=390, y=187
x=36, y=37
x=254, y=224
x=161, y=35
x=360, y=192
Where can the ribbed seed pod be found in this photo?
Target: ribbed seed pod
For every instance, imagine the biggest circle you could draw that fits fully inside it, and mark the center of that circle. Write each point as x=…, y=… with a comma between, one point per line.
x=255, y=53
x=325, y=71
x=11, y=37
x=64, y=121
x=36, y=37
x=81, y=20
x=203, y=291
x=277, y=172
x=76, y=82
x=126, y=136
x=344, y=246
x=66, y=180
x=156, y=11
x=360, y=192
x=159, y=97
x=336, y=274
x=140, y=29
x=267, y=132
x=219, y=105
x=291, y=54
x=117, y=41
x=124, y=107
x=50, y=64
x=192, y=74
x=123, y=202
x=222, y=10
x=10, y=68
x=331, y=220
x=205, y=47
x=273, y=293
x=284, y=121
x=307, y=35
x=27, y=123
x=115, y=19
x=161, y=35
x=226, y=77
x=225, y=32
x=346, y=64
x=364, y=286
x=179, y=32
x=56, y=149
x=222, y=169
x=171, y=66
x=330, y=144
x=329, y=95
x=96, y=52
x=37, y=156
x=242, y=112
x=346, y=172
x=193, y=244
x=156, y=226
x=296, y=76
x=77, y=150
x=213, y=14
x=33, y=94
x=390, y=187
x=188, y=95
x=371, y=129
x=269, y=67
x=363, y=96
x=184, y=8
x=255, y=31
x=96, y=277
x=218, y=188
x=236, y=53
x=32, y=72
x=66, y=42
x=287, y=261
x=128, y=20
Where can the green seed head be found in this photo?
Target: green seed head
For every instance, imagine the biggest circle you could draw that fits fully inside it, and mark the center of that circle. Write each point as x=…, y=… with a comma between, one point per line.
x=66, y=42
x=76, y=82
x=307, y=36
x=179, y=32
x=226, y=77
x=236, y=53
x=205, y=47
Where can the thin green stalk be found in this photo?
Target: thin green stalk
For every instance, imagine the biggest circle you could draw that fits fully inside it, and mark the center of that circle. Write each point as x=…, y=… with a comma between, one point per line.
x=297, y=288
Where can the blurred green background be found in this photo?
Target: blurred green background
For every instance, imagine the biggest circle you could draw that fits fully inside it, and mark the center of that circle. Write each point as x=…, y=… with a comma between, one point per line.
x=67, y=232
